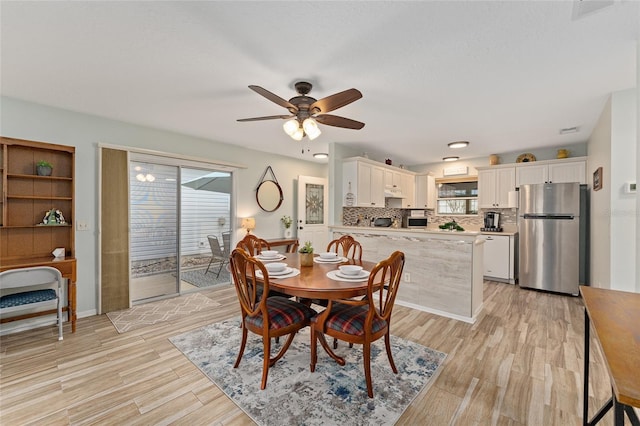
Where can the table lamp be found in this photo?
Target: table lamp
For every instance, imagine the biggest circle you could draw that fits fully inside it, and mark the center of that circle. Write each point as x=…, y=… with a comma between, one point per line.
x=248, y=223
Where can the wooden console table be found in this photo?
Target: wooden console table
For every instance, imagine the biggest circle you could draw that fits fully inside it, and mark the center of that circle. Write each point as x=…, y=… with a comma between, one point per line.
x=67, y=268
x=289, y=243
x=615, y=318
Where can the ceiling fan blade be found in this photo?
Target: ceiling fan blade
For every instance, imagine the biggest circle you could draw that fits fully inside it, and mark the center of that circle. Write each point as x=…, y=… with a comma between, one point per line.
x=274, y=98
x=268, y=117
x=334, y=120
x=335, y=101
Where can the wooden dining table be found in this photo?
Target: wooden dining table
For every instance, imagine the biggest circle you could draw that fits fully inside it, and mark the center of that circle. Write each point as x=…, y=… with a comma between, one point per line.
x=313, y=282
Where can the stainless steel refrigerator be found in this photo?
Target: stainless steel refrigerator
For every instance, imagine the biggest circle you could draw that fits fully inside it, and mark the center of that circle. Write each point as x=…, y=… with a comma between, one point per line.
x=552, y=236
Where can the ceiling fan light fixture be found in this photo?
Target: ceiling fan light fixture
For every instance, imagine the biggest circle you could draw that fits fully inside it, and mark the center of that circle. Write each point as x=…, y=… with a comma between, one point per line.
x=298, y=134
x=458, y=144
x=450, y=158
x=311, y=128
x=290, y=126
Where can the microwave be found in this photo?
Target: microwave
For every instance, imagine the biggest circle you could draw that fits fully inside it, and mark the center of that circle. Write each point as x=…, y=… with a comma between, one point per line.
x=414, y=222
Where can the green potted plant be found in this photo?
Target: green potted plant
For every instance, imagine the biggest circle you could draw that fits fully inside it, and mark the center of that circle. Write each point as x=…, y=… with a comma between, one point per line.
x=306, y=254
x=287, y=222
x=44, y=168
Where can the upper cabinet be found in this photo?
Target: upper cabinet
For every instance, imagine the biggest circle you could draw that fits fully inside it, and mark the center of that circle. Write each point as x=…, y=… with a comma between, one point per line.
x=27, y=196
x=425, y=192
x=552, y=171
x=408, y=190
x=366, y=181
x=494, y=185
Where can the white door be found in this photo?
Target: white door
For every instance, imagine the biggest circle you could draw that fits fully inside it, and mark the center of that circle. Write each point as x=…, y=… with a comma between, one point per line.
x=313, y=197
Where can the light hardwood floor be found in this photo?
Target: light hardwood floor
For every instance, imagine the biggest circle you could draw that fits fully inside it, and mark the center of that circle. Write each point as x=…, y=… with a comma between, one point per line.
x=520, y=363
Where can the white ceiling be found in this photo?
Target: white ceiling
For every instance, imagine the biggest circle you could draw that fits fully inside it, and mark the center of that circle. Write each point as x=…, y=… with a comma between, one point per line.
x=507, y=76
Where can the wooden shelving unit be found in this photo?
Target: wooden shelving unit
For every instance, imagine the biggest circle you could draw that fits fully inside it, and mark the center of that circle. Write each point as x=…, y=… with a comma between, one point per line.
x=26, y=197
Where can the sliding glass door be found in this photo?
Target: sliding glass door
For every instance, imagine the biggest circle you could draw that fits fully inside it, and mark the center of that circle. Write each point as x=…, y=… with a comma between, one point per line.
x=154, y=230
x=180, y=227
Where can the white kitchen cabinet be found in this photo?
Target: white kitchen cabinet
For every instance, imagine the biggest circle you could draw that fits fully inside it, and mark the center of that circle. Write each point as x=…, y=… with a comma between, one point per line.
x=500, y=257
x=393, y=179
x=367, y=183
x=494, y=186
x=575, y=171
x=425, y=192
x=552, y=171
x=408, y=191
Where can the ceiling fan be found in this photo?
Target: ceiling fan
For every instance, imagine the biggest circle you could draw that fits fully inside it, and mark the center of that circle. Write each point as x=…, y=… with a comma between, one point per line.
x=306, y=112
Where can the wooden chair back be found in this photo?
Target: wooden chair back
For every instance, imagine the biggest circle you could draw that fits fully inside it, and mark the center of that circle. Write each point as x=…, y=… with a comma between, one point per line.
x=253, y=245
x=346, y=246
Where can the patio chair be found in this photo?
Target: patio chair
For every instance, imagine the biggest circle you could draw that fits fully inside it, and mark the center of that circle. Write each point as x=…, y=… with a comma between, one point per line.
x=218, y=254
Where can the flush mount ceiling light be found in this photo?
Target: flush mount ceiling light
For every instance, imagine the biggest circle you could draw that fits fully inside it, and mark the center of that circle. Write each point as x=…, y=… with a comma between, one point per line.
x=320, y=155
x=450, y=158
x=458, y=144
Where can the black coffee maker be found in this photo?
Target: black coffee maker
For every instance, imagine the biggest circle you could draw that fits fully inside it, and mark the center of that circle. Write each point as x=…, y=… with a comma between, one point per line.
x=492, y=222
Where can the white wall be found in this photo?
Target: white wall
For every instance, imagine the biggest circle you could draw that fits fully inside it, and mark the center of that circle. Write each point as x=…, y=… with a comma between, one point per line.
x=623, y=206
x=30, y=121
x=613, y=146
x=600, y=226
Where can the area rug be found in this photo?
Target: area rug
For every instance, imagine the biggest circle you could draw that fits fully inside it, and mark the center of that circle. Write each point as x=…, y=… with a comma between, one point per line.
x=164, y=310
x=198, y=277
x=294, y=396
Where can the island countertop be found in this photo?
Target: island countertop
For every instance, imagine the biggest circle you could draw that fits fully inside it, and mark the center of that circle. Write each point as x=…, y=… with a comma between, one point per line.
x=417, y=231
x=442, y=272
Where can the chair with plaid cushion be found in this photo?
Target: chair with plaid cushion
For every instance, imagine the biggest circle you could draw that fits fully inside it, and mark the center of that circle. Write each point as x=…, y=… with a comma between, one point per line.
x=346, y=246
x=362, y=321
x=253, y=245
x=266, y=316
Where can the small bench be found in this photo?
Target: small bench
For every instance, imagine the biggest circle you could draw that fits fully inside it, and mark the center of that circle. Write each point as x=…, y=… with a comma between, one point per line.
x=29, y=289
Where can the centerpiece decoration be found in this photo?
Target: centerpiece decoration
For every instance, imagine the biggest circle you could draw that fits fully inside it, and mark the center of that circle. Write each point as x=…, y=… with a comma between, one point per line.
x=287, y=222
x=306, y=254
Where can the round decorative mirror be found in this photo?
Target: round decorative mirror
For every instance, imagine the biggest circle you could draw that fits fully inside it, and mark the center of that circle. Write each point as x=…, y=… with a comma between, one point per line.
x=269, y=195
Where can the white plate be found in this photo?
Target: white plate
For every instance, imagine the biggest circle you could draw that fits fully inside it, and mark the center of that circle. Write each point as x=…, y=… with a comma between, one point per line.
x=352, y=278
x=287, y=273
x=270, y=259
x=337, y=260
x=360, y=275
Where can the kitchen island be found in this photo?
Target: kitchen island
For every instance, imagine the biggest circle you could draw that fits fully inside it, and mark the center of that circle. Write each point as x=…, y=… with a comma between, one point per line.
x=442, y=271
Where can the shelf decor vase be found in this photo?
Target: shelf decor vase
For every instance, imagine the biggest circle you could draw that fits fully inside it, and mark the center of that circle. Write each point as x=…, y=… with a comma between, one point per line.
x=306, y=259
x=288, y=233
x=43, y=170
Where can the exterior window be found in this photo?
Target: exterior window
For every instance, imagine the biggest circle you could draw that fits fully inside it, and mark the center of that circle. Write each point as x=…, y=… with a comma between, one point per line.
x=457, y=196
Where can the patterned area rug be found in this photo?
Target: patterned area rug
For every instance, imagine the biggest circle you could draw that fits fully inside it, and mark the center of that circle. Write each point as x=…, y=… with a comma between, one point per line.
x=198, y=278
x=331, y=395
x=164, y=310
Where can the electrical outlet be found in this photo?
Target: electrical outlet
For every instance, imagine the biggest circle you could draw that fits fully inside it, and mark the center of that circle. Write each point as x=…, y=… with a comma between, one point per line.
x=81, y=225
x=407, y=277
x=201, y=243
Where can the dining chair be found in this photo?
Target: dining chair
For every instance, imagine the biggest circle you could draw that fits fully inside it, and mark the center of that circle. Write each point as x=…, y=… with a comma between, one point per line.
x=346, y=246
x=218, y=254
x=362, y=321
x=253, y=245
x=269, y=317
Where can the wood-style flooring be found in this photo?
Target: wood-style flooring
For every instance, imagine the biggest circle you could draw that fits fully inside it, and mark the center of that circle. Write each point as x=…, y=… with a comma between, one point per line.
x=519, y=364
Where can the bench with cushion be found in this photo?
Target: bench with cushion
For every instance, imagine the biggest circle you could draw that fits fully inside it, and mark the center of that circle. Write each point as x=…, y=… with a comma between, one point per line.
x=27, y=290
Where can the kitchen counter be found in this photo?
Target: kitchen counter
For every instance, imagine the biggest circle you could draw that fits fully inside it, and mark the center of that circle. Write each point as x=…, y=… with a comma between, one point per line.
x=443, y=272
x=420, y=231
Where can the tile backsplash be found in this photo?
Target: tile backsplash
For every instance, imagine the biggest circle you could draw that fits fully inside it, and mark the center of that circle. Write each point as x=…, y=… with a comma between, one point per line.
x=350, y=216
